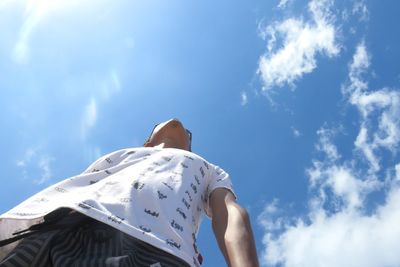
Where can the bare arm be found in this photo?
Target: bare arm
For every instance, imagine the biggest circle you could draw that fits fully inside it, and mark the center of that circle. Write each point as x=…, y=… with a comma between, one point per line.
x=232, y=229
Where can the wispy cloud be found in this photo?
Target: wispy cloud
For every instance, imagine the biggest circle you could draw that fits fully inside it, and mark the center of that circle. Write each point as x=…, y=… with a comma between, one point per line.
x=35, y=12
x=243, y=98
x=325, y=145
x=110, y=85
x=300, y=44
x=86, y=65
x=45, y=168
x=283, y=3
x=296, y=132
x=383, y=103
x=343, y=239
x=358, y=66
x=27, y=158
x=107, y=87
x=35, y=166
x=36, y=34
x=360, y=8
x=89, y=117
x=341, y=220
x=5, y=3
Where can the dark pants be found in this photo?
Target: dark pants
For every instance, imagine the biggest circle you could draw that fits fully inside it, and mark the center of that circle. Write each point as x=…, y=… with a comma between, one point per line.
x=87, y=243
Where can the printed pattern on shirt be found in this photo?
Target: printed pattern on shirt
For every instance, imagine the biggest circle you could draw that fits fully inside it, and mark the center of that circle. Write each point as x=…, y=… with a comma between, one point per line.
x=161, y=193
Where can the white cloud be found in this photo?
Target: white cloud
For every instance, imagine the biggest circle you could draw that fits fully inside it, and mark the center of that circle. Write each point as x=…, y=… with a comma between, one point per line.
x=361, y=60
x=283, y=3
x=359, y=65
x=107, y=87
x=53, y=17
x=362, y=144
x=43, y=36
x=35, y=165
x=266, y=218
x=110, y=85
x=348, y=188
x=347, y=238
x=397, y=171
x=380, y=106
x=302, y=41
x=296, y=132
x=30, y=152
x=272, y=207
x=35, y=12
x=243, y=98
x=341, y=227
x=325, y=144
x=360, y=8
x=345, y=186
x=46, y=172
x=89, y=117
x=5, y=3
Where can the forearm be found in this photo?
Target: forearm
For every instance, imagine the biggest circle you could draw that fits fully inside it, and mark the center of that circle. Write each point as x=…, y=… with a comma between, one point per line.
x=236, y=240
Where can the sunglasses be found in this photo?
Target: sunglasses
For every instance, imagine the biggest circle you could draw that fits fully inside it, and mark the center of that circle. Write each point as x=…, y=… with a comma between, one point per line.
x=189, y=133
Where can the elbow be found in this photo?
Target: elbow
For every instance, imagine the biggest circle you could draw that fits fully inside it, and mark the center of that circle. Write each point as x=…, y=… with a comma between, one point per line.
x=244, y=214
x=231, y=222
x=238, y=213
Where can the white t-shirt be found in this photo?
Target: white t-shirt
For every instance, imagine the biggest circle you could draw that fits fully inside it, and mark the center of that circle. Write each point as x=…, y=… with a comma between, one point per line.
x=156, y=195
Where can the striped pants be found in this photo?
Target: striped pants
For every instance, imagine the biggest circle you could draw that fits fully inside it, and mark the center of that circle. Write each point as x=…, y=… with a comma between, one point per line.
x=89, y=244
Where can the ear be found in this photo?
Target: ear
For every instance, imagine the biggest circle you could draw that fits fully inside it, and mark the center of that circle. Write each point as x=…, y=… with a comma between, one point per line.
x=148, y=144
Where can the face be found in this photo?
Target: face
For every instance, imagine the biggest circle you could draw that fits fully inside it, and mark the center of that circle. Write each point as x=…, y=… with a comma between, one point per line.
x=170, y=134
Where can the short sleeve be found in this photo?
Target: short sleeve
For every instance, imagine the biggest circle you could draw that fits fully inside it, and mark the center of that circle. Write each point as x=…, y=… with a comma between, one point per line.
x=218, y=179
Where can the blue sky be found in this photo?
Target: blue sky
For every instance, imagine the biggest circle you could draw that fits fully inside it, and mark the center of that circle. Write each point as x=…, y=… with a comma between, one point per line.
x=297, y=100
